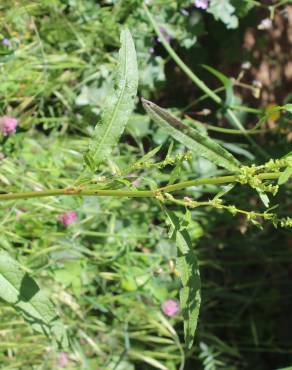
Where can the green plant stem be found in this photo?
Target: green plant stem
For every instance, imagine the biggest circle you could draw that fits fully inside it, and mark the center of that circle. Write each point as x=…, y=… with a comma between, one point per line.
x=243, y=108
x=213, y=181
x=200, y=99
x=77, y=191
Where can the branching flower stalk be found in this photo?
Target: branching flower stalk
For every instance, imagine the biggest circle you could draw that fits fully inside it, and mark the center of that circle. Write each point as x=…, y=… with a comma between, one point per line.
x=251, y=216
x=254, y=176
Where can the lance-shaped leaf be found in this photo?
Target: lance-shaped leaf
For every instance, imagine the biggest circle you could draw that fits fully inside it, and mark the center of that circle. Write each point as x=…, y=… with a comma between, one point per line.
x=118, y=107
x=187, y=265
x=19, y=290
x=192, y=139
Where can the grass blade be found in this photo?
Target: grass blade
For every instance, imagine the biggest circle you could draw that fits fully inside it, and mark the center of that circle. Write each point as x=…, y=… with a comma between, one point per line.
x=118, y=107
x=226, y=81
x=195, y=141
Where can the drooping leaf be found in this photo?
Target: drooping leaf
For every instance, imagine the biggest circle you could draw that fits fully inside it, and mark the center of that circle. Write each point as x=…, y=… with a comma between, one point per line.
x=118, y=107
x=187, y=265
x=22, y=292
x=192, y=139
x=226, y=82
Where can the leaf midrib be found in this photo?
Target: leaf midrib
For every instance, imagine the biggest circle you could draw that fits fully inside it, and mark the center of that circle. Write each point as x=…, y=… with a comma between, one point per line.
x=119, y=100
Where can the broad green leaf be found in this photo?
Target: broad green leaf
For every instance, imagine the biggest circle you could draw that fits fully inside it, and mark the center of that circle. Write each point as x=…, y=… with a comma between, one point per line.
x=243, y=7
x=192, y=139
x=187, y=265
x=118, y=107
x=19, y=290
x=225, y=12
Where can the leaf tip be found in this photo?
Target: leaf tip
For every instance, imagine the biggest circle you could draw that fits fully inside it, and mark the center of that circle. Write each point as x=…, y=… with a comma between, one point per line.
x=147, y=104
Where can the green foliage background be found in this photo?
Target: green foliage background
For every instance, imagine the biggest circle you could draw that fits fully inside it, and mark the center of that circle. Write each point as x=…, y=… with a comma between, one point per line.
x=109, y=272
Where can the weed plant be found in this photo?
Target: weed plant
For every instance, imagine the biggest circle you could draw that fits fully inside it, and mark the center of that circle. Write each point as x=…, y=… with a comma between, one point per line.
x=134, y=234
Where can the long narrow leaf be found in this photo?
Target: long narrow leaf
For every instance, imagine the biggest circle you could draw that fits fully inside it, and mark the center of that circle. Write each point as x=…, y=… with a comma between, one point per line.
x=118, y=107
x=226, y=82
x=191, y=138
x=187, y=265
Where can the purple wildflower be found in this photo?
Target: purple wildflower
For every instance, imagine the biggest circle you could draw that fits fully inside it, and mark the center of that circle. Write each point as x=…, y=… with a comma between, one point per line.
x=136, y=182
x=170, y=307
x=8, y=125
x=5, y=41
x=63, y=359
x=151, y=50
x=165, y=34
x=67, y=218
x=201, y=4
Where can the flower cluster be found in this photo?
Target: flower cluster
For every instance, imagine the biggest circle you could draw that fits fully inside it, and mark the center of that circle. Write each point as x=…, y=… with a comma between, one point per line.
x=170, y=307
x=8, y=125
x=168, y=161
x=6, y=41
x=201, y=4
x=67, y=218
x=63, y=359
x=166, y=35
x=250, y=176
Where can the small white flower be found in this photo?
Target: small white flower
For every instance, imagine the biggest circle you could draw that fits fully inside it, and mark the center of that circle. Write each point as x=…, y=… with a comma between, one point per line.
x=266, y=24
x=257, y=83
x=201, y=4
x=246, y=65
